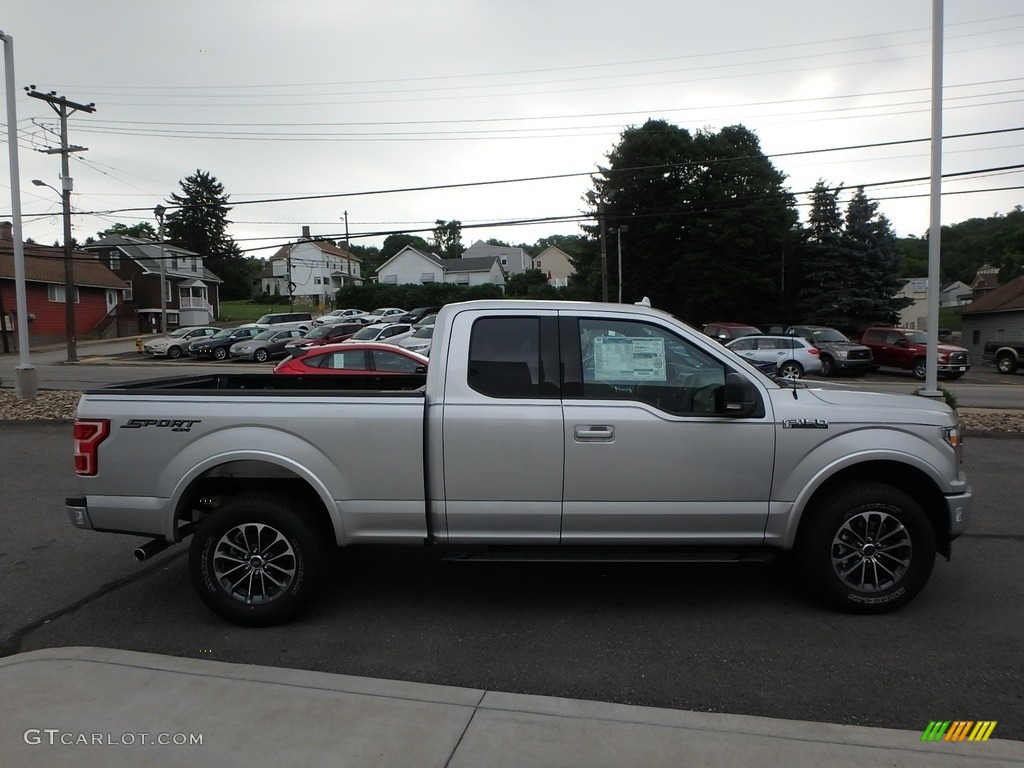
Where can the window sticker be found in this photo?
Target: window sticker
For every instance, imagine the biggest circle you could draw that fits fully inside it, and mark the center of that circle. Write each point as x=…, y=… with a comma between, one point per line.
x=624, y=358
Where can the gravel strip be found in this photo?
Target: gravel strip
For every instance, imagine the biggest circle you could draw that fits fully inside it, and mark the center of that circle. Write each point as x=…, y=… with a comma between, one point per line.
x=60, y=405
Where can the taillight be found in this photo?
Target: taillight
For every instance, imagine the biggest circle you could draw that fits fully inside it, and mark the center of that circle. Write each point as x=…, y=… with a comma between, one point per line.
x=814, y=350
x=88, y=434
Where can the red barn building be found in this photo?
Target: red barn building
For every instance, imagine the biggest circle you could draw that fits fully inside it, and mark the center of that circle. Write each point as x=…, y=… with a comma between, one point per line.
x=98, y=293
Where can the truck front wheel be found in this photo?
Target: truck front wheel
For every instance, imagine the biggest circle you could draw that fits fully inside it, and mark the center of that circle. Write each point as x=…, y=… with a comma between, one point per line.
x=1006, y=364
x=256, y=560
x=828, y=367
x=920, y=369
x=866, y=549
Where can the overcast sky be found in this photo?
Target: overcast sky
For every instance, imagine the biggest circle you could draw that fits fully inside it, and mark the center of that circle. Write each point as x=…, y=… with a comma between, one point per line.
x=357, y=97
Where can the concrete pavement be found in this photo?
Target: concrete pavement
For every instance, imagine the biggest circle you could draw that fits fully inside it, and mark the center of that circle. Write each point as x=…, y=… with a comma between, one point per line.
x=92, y=707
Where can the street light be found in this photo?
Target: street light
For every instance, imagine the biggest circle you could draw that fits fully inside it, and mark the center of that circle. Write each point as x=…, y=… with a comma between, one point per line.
x=69, y=275
x=159, y=213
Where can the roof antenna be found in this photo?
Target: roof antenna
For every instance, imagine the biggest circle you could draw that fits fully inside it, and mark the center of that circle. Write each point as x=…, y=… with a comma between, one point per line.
x=644, y=302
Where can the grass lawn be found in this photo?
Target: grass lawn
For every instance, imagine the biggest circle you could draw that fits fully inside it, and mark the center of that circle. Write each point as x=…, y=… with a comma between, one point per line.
x=244, y=311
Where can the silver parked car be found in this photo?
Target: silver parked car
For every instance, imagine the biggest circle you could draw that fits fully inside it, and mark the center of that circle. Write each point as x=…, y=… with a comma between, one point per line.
x=793, y=356
x=264, y=345
x=419, y=341
x=175, y=344
x=389, y=332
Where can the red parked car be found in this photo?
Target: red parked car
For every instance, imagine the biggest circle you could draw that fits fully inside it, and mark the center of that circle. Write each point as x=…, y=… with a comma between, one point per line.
x=371, y=358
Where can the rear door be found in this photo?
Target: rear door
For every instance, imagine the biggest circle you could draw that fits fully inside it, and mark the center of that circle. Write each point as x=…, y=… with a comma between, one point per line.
x=502, y=433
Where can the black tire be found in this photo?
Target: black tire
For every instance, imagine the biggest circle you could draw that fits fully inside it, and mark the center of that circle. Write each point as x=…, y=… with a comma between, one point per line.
x=843, y=560
x=260, y=355
x=220, y=353
x=920, y=369
x=791, y=369
x=828, y=366
x=278, y=566
x=174, y=352
x=1006, y=364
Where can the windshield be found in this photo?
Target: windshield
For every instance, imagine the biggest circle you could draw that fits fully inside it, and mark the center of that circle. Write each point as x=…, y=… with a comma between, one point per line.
x=225, y=334
x=179, y=333
x=317, y=333
x=367, y=334
x=424, y=333
x=917, y=337
x=828, y=334
x=265, y=335
x=265, y=320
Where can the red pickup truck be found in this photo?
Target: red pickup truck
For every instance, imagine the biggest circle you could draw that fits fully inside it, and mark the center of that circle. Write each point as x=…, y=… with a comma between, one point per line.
x=907, y=349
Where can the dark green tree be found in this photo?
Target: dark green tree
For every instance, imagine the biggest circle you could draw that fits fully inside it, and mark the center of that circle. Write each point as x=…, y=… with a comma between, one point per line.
x=531, y=284
x=708, y=221
x=874, y=258
x=394, y=243
x=823, y=263
x=198, y=222
x=448, y=239
x=143, y=231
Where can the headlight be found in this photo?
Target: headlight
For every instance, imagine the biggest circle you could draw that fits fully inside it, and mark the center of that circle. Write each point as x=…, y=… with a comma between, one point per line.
x=955, y=440
x=842, y=354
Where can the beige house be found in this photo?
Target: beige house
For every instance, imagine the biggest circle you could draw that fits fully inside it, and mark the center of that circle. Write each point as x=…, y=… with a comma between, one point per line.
x=554, y=262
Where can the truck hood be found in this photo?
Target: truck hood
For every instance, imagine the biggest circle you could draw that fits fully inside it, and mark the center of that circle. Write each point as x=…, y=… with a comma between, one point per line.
x=878, y=407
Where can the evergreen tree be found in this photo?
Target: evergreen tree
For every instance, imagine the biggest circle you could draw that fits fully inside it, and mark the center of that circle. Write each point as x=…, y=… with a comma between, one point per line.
x=825, y=272
x=875, y=256
x=199, y=223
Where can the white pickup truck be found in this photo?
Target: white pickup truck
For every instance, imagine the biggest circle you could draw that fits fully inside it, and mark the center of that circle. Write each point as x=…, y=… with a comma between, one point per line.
x=540, y=429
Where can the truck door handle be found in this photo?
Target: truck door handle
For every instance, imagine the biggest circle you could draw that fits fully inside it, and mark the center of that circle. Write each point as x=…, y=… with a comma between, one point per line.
x=603, y=433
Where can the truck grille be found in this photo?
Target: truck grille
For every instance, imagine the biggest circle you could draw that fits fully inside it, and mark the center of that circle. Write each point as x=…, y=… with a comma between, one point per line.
x=859, y=354
x=960, y=358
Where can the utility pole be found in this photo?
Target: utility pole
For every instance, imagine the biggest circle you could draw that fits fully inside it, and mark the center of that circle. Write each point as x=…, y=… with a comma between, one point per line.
x=604, y=252
x=61, y=105
x=159, y=212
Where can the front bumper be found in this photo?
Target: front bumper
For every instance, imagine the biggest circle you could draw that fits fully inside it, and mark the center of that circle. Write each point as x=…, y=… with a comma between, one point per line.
x=853, y=366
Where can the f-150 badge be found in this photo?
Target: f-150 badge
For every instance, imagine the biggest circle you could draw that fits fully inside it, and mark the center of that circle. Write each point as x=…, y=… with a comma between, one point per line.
x=805, y=424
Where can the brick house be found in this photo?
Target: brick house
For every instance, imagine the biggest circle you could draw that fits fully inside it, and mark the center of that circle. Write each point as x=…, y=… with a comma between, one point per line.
x=98, y=293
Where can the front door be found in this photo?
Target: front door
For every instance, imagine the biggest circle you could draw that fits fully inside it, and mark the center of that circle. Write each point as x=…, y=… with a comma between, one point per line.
x=647, y=458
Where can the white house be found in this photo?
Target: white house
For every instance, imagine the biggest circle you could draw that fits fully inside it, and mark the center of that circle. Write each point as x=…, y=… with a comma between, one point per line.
x=513, y=260
x=316, y=269
x=916, y=314
x=554, y=262
x=956, y=294
x=410, y=265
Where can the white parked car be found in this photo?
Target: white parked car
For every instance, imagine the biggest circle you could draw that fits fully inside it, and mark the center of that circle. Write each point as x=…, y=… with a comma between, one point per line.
x=793, y=356
x=391, y=333
x=419, y=341
x=175, y=344
x=341, y=316
x=384, y=315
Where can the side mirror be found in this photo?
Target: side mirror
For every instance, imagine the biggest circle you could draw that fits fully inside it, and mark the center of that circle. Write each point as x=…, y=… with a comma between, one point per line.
x=902, y=343
x=421, y=369
x=740, y=397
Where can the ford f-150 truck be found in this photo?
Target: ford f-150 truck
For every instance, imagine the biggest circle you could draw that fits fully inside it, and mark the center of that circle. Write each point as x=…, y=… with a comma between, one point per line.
x=908, y=349
x=542, y=429
x=1007, y=356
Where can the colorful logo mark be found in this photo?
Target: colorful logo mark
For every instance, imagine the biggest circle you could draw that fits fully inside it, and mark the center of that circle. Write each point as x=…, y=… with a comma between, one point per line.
x=958, y=730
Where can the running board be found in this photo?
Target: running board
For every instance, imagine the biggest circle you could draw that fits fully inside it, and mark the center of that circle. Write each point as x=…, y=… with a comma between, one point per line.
x=553, y=555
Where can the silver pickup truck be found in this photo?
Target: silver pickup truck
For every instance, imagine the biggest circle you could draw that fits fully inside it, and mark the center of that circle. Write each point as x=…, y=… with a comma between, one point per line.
x=541, y=429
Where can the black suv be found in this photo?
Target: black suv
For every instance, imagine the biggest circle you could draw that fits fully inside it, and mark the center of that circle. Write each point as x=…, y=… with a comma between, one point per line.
x=838, y=353
x=413, y=316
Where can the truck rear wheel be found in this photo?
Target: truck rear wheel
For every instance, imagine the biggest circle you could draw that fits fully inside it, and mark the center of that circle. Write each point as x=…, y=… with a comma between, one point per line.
x=1006, y=364
x=866, y=549
x=256, y=561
